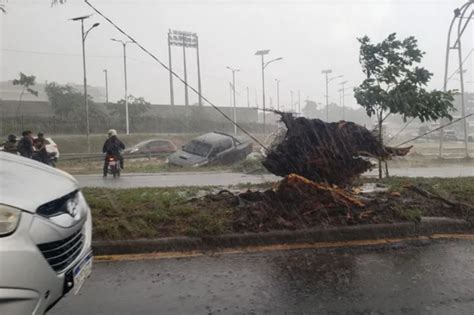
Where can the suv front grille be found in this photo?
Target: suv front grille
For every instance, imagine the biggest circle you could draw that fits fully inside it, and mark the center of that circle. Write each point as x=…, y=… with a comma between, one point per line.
x=60, y=254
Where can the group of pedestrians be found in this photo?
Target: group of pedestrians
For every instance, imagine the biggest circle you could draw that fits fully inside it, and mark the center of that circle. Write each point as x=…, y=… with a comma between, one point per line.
x=28, y=146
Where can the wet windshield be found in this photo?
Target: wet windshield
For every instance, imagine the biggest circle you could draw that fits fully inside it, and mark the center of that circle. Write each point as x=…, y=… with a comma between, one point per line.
x=197, y=147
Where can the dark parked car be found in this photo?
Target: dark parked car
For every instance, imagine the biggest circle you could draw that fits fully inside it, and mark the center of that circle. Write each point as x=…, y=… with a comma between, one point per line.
x=153, y=146
x=212, y=148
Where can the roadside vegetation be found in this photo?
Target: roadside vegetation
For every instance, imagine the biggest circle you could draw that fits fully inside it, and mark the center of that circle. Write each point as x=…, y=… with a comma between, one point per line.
x=198, y=211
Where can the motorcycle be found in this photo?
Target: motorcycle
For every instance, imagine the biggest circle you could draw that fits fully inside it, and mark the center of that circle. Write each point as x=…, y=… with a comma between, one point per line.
x=50, y=159
x=113, y=166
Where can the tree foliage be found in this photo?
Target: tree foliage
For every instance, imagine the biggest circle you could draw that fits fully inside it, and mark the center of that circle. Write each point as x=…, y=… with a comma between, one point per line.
x=3, y=5
x=137, y=106
x=26, y=81
x=68, y=103
x=395, y=84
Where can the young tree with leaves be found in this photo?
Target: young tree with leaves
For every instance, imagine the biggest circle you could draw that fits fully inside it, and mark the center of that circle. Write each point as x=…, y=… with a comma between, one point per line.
x=26, y=82
x=394, y=83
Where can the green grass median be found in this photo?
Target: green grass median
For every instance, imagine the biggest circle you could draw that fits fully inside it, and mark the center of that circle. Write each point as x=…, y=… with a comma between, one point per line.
x=145, y=213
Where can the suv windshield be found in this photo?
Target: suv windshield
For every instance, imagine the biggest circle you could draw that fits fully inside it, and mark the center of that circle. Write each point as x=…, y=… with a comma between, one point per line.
x=197, y=147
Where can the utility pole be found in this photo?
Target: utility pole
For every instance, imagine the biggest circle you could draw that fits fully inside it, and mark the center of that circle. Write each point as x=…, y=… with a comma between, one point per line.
x=278, y=93
x=106, y=88
x=233, y=90
x=124, y=45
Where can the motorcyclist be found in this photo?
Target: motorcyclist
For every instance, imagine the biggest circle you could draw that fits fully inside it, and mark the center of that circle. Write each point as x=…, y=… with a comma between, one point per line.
x=11, y=146
x=25, y=145
x=112, y=147
x=41, y=154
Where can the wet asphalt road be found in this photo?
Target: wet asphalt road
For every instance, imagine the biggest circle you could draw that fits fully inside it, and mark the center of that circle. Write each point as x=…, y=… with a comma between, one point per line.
x=228, y=179
x=434, y=278
x=173, y=180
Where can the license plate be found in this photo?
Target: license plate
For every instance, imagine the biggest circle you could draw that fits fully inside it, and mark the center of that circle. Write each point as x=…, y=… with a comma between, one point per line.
x=81, y=272
x=112, y=163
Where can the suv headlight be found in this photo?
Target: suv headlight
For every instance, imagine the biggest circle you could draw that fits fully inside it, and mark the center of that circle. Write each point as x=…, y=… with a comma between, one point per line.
x=9, y=218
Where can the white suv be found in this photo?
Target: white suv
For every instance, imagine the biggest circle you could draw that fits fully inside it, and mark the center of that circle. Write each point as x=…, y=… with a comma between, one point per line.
x=45, y=236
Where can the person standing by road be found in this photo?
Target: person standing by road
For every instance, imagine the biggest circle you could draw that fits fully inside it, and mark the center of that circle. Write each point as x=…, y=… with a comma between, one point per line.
x=39, y=144
x=25, y=145
x=11, y=146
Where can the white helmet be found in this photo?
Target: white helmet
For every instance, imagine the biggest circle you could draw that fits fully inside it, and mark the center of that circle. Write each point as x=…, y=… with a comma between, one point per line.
x=112, y=132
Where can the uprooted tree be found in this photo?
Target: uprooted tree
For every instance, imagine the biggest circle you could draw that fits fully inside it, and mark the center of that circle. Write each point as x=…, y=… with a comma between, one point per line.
x=332, y=153
x=396, y=85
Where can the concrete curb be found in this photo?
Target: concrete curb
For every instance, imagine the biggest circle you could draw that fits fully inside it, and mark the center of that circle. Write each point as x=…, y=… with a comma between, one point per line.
x=428, y=226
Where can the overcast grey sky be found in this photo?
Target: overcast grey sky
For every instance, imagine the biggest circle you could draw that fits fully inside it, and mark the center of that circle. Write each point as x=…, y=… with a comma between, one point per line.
x=311, y=35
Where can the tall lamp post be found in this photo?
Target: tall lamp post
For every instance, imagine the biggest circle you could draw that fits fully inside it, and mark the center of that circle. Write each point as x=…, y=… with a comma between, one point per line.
x=106, y=87
x=264, y=65
x=233, y=97
x=463, y=15
x=327, y=72
x=124, y=45
x=86, y=99
x=292, y=101
x=343, y=99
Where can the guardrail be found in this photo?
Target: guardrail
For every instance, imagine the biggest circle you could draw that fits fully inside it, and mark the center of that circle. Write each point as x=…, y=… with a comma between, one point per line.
x=81, y=157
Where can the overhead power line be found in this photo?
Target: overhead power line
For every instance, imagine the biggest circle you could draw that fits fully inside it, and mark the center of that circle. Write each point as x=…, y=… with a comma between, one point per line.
x=436, y=129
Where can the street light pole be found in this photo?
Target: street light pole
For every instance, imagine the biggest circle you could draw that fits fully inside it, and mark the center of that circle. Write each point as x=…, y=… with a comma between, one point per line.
x=248, y=97
x=233, y=90
x=278, y=93
x=264, y=65
x=299, y=103
x=326, y=73
x=106, y=88
x=263, y=97
x=343, y=100
x=460, y=15
x=124, y=45
x=86, y=99
x=292, y=102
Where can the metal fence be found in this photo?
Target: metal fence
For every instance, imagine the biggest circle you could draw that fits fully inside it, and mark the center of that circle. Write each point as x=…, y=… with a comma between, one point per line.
x=54, y=125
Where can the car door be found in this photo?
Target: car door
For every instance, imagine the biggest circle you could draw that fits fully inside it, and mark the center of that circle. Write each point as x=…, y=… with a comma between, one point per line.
x=155, y=146
x=226, y=148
